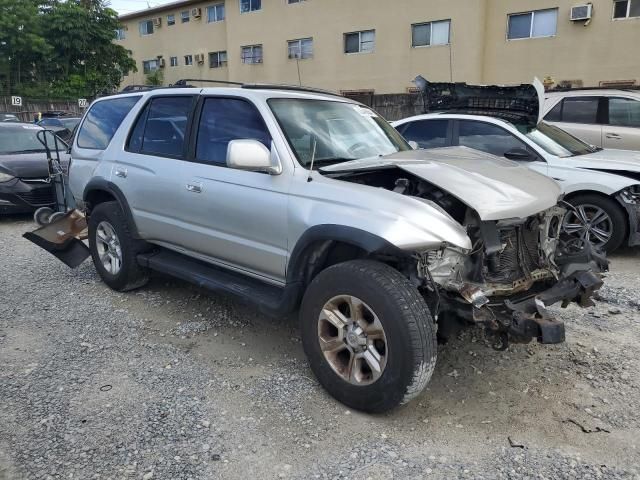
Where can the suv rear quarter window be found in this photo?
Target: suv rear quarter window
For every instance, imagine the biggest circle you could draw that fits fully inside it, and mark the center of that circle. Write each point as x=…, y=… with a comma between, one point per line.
x=427, y=133
x=103, y=120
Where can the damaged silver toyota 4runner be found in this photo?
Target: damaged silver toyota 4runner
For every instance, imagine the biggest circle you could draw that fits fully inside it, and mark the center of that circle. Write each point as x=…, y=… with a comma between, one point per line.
x=298, y=200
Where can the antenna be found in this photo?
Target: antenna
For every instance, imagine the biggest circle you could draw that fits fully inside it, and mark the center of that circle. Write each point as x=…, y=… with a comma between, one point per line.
x=313, y=158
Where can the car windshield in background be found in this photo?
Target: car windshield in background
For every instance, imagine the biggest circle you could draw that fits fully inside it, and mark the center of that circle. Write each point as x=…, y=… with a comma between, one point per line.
x=337, y=131
x=557, y=142
x=69, y=123
x=23, y=139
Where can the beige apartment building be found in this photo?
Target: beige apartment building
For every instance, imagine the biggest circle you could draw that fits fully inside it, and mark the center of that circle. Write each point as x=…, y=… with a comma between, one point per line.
x=380, y=46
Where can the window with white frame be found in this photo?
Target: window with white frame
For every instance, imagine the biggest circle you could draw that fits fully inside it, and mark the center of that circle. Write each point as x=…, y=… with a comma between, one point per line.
x=430, y=33
x=301, y=48
x=539, y=23
x=120, y=35
x=173, y=61
x=149, y=66
x=626, y=9
x=250, y=5
x=360, y=42
x=146, y=27
x=218, y=59
x=215, y=13
x=188, y=60
x=252, y=54
x=171, y=19
x=185, y=16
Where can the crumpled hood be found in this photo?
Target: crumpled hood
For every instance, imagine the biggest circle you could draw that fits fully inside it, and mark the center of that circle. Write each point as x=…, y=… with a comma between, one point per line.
x=496, y=188
x=608, y=161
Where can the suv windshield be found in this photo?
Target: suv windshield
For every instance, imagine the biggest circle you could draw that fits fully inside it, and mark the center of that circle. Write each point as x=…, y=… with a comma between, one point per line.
x=336, y=131
x=556, y=141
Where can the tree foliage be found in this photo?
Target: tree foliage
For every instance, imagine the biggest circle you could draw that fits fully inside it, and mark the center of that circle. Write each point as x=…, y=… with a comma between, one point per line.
x=60, y=48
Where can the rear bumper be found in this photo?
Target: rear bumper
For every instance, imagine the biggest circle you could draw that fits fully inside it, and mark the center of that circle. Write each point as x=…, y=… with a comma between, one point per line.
x=17, y=196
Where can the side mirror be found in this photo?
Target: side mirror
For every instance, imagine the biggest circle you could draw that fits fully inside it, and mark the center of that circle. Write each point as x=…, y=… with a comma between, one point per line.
x=518, y=154
x=413, y=144
x=253, y=156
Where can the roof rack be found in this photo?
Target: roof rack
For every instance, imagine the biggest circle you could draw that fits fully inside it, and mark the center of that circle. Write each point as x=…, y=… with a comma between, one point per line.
x=256, y=86
x=577, y=89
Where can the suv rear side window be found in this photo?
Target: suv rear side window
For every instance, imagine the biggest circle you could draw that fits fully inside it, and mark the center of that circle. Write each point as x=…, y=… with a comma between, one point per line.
x=161, y=128
x=624, y=112
x=226, y=119
x=487, y=138
x=427, y=133
x=580, y=110
x=103, y=120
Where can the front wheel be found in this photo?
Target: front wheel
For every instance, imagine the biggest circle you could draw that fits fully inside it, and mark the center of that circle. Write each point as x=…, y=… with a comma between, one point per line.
x=598, y=220
x=368, y=335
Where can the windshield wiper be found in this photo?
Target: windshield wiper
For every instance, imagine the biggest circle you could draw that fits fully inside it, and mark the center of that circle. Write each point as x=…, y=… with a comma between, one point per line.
x=325, y=161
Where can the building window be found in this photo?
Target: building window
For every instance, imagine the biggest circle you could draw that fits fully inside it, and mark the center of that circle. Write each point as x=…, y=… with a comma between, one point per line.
x=120, y=35
x=149, y=66
x=302, y=48
x=540, y=23
x=360, y=42
x=430, y=33
x=146, y=27
x=173, y=61
x=188, y=60
x=185, y=16
x=217, y=59
x=171, y=19
x=252, y=54
x=250, y=5
x=626, y=8
x=215, y=13
x=290, y=2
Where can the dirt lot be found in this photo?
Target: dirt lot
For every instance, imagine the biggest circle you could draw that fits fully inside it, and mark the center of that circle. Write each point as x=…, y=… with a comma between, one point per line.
x=170, y=383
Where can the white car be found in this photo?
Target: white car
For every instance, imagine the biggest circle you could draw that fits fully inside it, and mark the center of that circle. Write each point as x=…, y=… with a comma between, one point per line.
x=602, y=185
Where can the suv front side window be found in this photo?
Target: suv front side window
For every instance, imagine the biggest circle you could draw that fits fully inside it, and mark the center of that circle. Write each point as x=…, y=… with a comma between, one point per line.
x=487, y=137
x=226, y=119
x=160, y=129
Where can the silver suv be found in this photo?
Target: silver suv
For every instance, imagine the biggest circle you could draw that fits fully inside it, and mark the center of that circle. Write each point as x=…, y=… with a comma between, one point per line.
x=604, y=118
x=300, y=200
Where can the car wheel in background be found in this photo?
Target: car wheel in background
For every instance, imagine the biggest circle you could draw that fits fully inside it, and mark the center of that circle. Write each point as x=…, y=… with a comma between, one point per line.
x=368, y=334
x=597, y=219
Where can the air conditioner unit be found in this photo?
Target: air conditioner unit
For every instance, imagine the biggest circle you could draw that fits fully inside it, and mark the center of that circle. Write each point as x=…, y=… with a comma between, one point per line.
x=157, y=22
x=199, y=57
x=581, y=12
x=196, y=12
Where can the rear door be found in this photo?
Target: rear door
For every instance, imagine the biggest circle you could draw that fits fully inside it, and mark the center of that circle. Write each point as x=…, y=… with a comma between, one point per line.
x=149, y=172
x=581, y=116
x=622, y=129
x=428, y=133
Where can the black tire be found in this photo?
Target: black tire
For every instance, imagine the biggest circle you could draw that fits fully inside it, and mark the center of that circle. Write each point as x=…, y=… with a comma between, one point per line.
x=42, y=215
x=131, y=275
x=408, y=326
x=615, y=213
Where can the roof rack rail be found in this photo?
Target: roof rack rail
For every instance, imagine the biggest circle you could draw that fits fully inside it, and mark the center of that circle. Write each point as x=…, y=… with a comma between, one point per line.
x=183, y=82
x=293, y=88
x=577, y=89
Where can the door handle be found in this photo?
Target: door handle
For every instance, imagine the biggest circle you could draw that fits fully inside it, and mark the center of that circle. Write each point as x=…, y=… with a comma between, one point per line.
x=121, y=172
x=194, y=187
x=613, y=136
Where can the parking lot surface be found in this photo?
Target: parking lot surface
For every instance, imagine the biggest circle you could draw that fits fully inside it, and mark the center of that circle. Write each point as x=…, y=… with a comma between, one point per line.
x=169, y=382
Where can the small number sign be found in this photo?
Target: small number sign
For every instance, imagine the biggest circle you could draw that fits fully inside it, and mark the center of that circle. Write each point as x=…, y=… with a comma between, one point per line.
x=16, y=101
x=82, y=102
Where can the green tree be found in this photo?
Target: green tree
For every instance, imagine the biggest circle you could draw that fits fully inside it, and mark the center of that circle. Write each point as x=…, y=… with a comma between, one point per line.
x=155, y=78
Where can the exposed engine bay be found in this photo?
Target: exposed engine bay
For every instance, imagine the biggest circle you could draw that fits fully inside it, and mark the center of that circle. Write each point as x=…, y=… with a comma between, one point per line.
x=515, y=269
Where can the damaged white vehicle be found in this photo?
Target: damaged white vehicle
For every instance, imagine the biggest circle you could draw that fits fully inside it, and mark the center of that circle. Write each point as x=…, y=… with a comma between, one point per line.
x=297, y=200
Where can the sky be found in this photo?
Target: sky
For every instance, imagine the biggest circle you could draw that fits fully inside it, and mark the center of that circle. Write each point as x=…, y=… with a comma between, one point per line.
x=128, y=6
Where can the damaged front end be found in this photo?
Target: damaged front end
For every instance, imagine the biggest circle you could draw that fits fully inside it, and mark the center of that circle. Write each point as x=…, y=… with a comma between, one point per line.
x=516, y=270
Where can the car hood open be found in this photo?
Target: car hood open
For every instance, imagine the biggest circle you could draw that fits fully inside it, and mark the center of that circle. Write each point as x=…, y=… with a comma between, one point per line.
x=494, y=187
x=520, y=104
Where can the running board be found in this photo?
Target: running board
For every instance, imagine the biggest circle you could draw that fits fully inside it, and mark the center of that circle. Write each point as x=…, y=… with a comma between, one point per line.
x=269, y=299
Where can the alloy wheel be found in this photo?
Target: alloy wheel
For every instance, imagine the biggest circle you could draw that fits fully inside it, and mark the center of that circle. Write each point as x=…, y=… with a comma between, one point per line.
x=108, y=247
x=590, y=223
x=352, y=340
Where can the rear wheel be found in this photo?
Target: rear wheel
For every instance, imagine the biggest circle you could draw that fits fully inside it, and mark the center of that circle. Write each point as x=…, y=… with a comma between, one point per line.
x=598, y=220
x=114, y=250
x=368, y=334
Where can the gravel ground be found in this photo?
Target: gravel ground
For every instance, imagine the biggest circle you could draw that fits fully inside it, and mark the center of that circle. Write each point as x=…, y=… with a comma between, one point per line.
x=170, y=383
